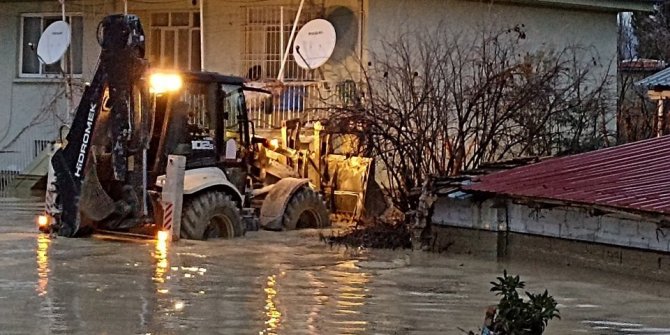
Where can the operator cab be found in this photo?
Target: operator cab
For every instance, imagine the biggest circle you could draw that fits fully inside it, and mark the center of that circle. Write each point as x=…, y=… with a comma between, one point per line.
x=202, y=116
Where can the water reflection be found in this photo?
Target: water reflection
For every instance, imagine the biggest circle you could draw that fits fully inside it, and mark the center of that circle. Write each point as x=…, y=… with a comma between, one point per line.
x=320, y=299
x=43, y=242
x=273, y=315
x=352, y=285
x=160, y=254
x=622, y=327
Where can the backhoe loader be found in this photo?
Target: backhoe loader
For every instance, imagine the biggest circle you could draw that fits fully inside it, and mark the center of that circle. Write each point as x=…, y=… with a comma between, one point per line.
x=107, y=174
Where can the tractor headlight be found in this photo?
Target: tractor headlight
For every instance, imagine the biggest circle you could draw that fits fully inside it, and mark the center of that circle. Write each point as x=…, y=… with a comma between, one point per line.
x=160, y=82
x=274, y=144
x=43, y=221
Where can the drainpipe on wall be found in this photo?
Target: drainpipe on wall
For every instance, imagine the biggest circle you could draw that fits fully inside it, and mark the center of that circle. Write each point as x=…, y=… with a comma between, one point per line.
x=361, y=36
x=67, y=77
x=202, y=35
x=281, y=34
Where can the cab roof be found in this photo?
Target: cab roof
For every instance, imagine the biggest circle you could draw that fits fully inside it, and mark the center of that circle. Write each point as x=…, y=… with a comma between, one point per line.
x=213, y=77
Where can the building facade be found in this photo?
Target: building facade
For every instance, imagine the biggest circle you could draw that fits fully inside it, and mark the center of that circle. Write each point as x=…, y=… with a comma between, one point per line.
x=249, y=38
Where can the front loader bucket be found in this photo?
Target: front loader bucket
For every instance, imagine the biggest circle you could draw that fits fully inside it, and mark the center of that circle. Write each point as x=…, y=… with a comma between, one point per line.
x=349, y=178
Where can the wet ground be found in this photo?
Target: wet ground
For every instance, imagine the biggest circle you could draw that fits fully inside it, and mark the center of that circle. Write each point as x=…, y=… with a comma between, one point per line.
x=283, y=283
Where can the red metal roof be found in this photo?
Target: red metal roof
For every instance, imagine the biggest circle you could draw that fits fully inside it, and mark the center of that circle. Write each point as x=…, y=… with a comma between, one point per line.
x=634, y=176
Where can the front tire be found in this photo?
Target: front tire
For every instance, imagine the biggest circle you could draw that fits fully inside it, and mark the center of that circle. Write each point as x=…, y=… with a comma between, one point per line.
x=210, y=215
x=306, y=210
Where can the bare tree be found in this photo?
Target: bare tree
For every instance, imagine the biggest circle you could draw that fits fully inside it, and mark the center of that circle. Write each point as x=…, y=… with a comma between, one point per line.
x=442, y=103
x=652, y=32
x=636, y=114
x=51, y=112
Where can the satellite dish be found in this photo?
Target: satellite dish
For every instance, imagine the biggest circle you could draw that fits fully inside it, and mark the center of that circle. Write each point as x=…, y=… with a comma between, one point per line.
x=346, y=28
x=54, y=42
x=314, y=44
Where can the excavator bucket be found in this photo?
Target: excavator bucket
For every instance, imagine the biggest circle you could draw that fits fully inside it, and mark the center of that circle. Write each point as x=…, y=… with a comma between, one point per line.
x=95, y=203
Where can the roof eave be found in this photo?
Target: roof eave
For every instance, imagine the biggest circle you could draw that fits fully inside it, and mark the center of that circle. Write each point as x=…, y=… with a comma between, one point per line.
x=597, y=5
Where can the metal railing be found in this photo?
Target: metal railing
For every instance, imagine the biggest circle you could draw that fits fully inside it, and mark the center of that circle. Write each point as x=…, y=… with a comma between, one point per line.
x=15, y=160
x=304, y=100
x=6, y=179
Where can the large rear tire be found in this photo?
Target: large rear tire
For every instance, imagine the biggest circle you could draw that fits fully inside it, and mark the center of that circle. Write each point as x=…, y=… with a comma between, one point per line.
x=210, y=215
x=306, y=210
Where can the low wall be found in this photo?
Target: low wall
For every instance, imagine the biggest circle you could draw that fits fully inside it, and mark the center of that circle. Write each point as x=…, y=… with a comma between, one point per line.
x=515, y=246
x=571, y=236
x=561, y=222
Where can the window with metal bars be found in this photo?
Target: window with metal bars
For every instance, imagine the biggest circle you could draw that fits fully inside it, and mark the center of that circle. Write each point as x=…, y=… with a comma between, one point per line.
x=174, y=40
x=32, y=27
x=267, y=31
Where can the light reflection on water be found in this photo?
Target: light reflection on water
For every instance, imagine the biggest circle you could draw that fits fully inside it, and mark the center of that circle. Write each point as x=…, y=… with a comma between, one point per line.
x=316, y=307
x=352, y=284
x=273, y=314
x=160, y=255
x=43, y=242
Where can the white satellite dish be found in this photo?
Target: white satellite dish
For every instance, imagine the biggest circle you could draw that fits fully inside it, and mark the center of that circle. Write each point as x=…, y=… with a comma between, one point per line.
x=54, y=42
x=314, y=44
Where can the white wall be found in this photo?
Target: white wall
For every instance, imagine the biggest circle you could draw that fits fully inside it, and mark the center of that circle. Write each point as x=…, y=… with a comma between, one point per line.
x=564, y=223
x=545, y=27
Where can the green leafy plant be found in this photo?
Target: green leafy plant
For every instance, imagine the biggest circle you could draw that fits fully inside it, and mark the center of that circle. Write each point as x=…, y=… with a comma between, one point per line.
x=518, y=316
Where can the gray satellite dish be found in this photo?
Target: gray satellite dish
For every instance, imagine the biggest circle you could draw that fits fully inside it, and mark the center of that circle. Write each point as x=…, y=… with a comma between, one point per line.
x=314, y=44
x=54, y=42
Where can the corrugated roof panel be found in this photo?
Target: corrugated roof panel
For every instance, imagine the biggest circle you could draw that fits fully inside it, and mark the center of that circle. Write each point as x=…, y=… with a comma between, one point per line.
x=658, y=79
x=633, y=176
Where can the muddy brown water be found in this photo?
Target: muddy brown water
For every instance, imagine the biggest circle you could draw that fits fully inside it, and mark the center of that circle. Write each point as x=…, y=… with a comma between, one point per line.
x=283, y=283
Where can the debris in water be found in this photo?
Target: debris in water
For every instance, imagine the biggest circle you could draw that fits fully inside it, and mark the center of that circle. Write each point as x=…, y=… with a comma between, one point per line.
x=376, y=233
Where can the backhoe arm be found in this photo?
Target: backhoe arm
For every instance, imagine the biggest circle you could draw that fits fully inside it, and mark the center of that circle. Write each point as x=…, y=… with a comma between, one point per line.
x=121, y=65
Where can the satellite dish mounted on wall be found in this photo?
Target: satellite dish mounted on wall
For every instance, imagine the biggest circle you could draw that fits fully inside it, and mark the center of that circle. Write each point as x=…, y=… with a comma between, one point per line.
x=54, y=42
x=314, y=44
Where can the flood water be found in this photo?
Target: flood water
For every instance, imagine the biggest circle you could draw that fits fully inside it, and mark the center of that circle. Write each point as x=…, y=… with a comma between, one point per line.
x=283, y=283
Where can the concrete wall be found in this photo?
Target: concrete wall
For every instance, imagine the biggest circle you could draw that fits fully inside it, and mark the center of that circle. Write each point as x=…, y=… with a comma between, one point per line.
x=563, y=223
x=535, y=248
x=551, y=28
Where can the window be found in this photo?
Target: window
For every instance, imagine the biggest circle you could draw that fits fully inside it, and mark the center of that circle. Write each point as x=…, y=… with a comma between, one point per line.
x=175, y=40
x=265, y=39
x=32, y=26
